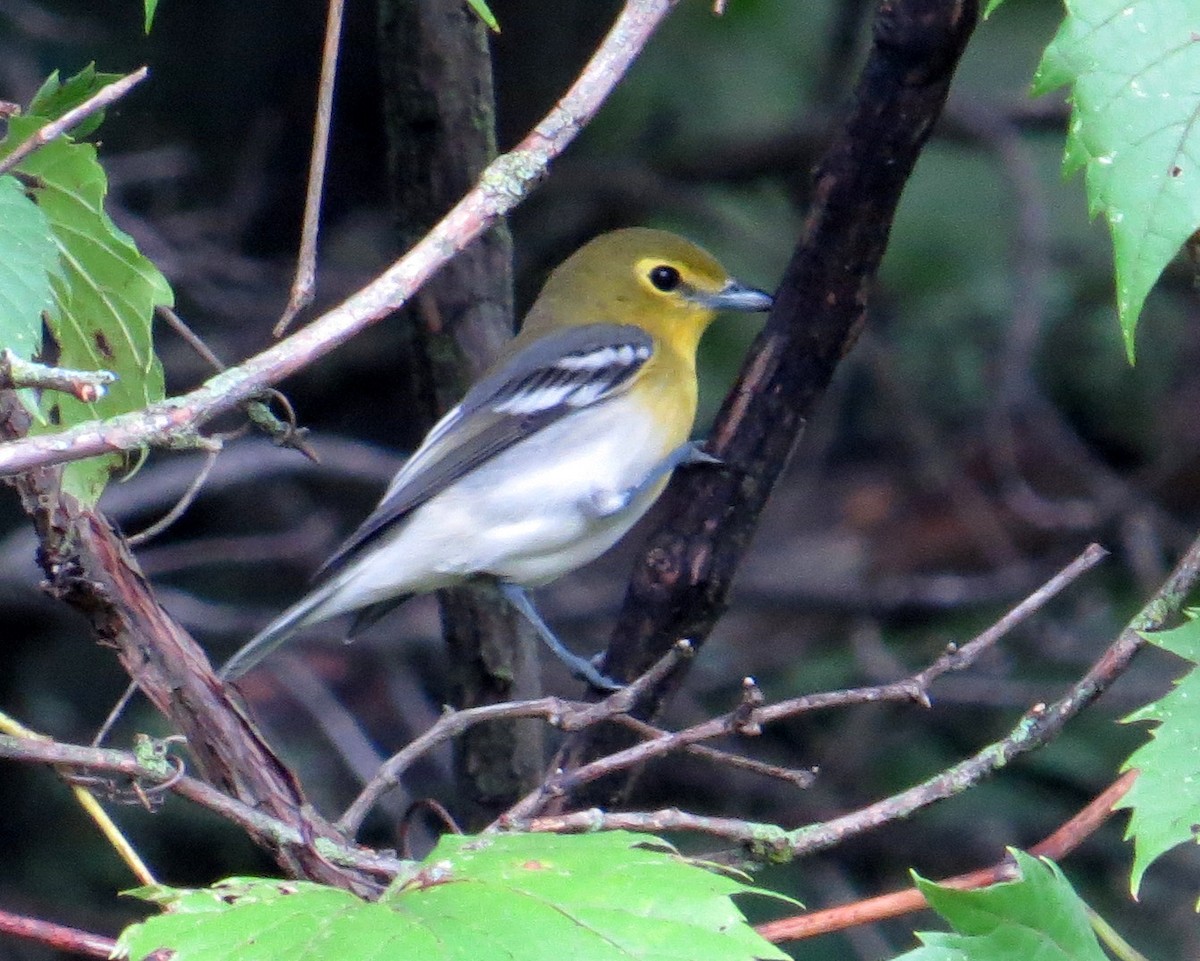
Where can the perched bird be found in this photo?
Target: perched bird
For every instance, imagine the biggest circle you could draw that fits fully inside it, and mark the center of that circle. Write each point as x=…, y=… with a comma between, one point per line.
x=554, y=454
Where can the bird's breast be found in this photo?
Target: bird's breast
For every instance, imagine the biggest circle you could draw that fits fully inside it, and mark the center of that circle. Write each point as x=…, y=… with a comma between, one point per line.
x=530, y=515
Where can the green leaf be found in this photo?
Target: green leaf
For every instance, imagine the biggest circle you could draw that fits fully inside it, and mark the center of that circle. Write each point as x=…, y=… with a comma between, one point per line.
x=597, y=897
x=54, y=99
x=151, y=6
x=1131, y=66
x=1165, y=798
x=485, y=14
x=28, y=259
x=103, y=297
x=1037, y=917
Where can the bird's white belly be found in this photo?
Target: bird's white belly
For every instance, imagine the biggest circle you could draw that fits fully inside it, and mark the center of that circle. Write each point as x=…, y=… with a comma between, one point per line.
x=528, y=522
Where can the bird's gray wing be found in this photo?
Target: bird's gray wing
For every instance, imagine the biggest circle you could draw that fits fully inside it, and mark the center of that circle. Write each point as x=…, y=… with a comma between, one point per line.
x=553, y=376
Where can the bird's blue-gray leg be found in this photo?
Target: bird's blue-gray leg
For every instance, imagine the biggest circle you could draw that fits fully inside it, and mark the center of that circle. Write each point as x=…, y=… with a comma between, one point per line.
x=607, y=503
x=580, y=667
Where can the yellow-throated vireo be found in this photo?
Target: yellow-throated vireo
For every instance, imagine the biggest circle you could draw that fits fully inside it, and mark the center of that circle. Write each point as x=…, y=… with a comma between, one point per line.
x=554, y=454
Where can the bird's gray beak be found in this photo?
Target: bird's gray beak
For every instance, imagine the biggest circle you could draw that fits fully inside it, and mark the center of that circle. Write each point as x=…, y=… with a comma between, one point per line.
x=736, y=296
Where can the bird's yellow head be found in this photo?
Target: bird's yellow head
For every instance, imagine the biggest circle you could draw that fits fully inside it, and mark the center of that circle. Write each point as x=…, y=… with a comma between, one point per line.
x=654, y=279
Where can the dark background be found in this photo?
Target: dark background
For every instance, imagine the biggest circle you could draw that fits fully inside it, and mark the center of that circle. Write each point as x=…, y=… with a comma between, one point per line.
x=895, y=531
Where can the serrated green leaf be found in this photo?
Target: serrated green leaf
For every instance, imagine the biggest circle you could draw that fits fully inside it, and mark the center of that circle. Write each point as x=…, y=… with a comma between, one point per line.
x=54, y=99
x=1131, y=64
x=1039, y=916
x=485, y=14
x=104, y=296
x=28, y=259
x=601, y=897
x=1165, y=799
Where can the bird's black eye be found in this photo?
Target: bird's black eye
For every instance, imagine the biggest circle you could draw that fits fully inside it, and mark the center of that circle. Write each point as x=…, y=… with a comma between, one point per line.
x=664, y=278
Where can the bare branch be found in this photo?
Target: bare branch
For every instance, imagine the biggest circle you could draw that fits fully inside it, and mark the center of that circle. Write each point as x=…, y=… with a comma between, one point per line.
x=567, y=715
x=505, y=182
x=1056, y=846
x=801, y=778
x=1040, y=724
x=764, y=839
x=180, y=507
x=305, y=282
x=88, y=385
x=749, y=719
x=963, y=657
x=190, y=337
x=97, y=102
x=58, y=936
x=155, y=777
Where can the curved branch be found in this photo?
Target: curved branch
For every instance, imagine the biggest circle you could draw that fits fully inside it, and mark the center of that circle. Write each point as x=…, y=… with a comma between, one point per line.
x=504, y=184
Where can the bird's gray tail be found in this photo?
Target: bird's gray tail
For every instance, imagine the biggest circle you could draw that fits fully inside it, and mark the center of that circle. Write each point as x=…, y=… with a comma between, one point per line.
x=305, y=611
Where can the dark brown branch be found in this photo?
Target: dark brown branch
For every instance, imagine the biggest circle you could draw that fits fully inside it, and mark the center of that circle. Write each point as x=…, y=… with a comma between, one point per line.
x=439, y=111
x=679, y=589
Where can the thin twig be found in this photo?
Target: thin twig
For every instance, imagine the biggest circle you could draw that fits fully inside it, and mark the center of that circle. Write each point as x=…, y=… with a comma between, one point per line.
x=506, y=181
x=434, y=807
x=1056, y=846
x=117, y=710
x=448, y=726
x=190, y=337
x=125, y=763
x=765, y=839
x=1039, y=725
x=97, y=102
x=181, y=506
x=305, y=281
x=743, y=721
x=963, y=657
x=14, y=729
x=916, y=687
x=563, y=714
x=87, y=385
x=802, y=778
